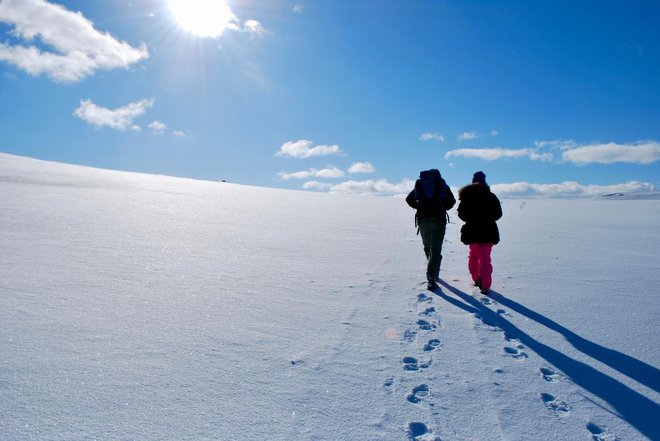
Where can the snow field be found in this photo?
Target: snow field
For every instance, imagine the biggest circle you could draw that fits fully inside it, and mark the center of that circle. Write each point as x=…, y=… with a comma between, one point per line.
x=150, y=307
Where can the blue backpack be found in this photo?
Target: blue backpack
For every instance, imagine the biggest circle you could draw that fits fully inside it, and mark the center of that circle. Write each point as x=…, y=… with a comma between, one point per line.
x=430, y=188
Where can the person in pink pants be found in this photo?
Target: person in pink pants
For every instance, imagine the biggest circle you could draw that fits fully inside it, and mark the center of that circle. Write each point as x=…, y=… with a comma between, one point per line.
x=480, y=266
x=480, y=209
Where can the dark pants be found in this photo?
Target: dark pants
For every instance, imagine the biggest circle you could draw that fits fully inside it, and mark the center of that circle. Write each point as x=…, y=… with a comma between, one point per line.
x=433, y=234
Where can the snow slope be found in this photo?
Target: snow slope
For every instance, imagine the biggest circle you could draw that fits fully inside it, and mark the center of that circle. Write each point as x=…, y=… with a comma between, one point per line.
x=156, y=308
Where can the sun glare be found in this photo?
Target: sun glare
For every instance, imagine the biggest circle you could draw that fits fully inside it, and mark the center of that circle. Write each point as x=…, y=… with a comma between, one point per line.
x=203, y=18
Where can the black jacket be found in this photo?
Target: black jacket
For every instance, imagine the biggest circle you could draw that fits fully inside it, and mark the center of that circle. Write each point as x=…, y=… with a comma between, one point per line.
x=432, y=209
x=479, y=209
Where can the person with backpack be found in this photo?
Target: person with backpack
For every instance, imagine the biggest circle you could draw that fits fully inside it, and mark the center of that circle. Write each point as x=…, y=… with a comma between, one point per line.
x=431, y=197
x=479, y=208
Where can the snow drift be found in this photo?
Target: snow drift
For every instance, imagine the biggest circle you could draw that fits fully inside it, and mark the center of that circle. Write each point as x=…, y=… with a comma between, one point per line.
x=149, y=307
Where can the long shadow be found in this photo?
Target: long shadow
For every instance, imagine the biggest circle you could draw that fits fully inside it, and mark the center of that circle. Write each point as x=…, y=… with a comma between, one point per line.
x=627, y=365
x=636, y=409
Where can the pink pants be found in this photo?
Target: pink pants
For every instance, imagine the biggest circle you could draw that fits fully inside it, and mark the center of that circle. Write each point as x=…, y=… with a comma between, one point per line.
x=479, y=263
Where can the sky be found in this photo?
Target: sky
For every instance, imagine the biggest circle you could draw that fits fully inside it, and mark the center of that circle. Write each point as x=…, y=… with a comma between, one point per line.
x=548, y=98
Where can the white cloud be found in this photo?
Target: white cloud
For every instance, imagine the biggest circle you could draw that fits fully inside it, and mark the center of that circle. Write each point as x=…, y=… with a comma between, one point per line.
x=254, y=28
x=641, y=152
x=469, y=136
x=432, y=137
x=158, y=127
x=304, y=149
x=499, y=153
x=315, y=185
x=118, y=119
x=557, y=144
x=179, y=133
x=79, y=49
x=297, y=8
x=327, y=173
x=645, y=152
x=569, y=189
x=466, y=136
x=362, y=167
x=379, y=187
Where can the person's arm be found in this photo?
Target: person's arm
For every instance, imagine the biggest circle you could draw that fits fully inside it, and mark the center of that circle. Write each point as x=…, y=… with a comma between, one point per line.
x=497, y=207
x=449, y=200
x=462, y=211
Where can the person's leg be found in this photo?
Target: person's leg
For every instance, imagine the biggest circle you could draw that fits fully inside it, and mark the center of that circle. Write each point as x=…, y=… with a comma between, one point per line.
x=473, y=263
x=426, y=231
x=433, y=234
x=435, y=257
x=485, y=265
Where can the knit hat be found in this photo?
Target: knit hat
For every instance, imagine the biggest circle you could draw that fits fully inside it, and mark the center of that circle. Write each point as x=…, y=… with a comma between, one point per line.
x=479, y=177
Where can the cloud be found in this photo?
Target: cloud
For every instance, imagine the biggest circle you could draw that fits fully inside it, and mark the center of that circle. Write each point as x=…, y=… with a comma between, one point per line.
x=79, y=49
x=469, y=136
x=328, y=173
x=432, y=137
x=645, y=152
x=569, y=189
x=297, y=8
x=556, y=144
x=466, y=136
x=179, y=133
x=516, y=190
x=304, y=149
x=641, y=152
x=119, y=119
x=315, y=185
x=380, y=187
x=362, y=167
x=158, y=127
x=254, y=28
x=499, y=153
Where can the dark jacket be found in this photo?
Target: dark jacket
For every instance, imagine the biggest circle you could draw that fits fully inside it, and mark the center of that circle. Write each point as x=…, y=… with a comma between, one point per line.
x=436, y=209
x=479, y=209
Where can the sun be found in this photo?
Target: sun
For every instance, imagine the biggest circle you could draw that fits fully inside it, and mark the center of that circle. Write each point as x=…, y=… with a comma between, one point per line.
x=203, y=18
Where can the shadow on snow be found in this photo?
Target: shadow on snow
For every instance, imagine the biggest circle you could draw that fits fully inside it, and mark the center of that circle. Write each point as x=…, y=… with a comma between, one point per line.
x=639, y=411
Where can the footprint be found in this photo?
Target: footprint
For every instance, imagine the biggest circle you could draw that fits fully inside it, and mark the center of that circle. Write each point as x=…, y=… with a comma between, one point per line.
x=486, y=301
x=412, y=364
x=432, y=345
x=549, y=375
x=555, y=404
x=515, y=353
x=417, y=430
x=509, y=337
x=487, y=322
x=389, y=383
x=600, y=434
x=428, y=311
x=421, y=297
x=426, y=326
x=418, y=393
x=409, y=335
x=503, y=312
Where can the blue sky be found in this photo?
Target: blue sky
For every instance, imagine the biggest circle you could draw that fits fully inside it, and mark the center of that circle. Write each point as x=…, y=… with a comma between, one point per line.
x=552, y=98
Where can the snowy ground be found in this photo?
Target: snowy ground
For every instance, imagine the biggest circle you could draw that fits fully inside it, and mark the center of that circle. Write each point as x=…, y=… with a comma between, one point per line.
x=155, y=308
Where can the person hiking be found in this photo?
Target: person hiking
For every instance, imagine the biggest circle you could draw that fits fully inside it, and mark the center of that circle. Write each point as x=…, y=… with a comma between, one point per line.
x=479, y=208
x=431, y=197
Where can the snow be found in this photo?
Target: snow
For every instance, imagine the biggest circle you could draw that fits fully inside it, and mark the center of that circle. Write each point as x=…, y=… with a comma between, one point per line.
x=157, y=308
